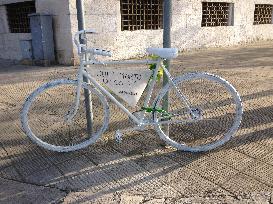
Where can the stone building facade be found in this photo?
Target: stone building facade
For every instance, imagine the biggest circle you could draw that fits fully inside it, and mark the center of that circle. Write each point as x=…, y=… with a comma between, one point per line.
x=195, y=24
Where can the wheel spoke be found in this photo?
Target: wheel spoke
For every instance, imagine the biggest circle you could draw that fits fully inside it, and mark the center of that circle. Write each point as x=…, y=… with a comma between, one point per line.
x=49, y=104
x=214, y=116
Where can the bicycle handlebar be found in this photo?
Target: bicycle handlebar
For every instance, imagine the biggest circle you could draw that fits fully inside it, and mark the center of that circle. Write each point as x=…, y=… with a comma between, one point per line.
x=80, y=35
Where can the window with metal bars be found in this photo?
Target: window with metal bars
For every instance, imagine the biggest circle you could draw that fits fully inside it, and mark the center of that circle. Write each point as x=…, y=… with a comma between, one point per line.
x=217, y=14
x=141, y=14
x=263, y=14
x=17, y=14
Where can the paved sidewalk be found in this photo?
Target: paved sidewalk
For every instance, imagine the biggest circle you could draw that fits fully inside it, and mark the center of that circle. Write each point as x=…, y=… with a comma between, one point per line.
x=141, y=170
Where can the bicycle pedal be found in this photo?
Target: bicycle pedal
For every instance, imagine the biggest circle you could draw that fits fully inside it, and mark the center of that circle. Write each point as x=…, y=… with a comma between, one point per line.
x=118, y=136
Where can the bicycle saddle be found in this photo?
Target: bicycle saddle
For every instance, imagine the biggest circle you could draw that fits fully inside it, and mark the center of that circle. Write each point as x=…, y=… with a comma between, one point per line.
x=165, y=53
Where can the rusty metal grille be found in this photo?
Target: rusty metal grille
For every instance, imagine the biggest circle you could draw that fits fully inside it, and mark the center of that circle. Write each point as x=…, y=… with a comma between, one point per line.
x=217, y=14
x=141, y=14
x=263, y=14
x=18, y=16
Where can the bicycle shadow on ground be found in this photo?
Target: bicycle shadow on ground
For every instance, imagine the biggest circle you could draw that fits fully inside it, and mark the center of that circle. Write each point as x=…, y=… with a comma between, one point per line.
x=139, y=164
x=95, y=168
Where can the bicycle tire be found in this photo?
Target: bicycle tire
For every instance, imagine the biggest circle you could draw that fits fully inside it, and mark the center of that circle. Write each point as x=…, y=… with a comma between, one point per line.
x=44, y=110
x=212, y=98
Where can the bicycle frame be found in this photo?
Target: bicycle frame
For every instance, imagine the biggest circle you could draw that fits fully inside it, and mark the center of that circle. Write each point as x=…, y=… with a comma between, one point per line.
x=139, y=122
x=110, y=96
x=132, y=83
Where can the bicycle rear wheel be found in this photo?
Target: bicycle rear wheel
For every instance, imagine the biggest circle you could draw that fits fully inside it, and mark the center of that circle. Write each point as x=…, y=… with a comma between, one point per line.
x=214, y=114
x=43, y=116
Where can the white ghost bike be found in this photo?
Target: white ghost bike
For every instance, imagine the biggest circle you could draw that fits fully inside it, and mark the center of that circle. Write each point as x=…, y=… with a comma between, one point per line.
x=203, y=112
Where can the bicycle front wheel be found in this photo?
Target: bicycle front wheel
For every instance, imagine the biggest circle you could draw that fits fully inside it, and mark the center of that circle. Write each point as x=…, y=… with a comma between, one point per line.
x=43, y=116
x=209, y=118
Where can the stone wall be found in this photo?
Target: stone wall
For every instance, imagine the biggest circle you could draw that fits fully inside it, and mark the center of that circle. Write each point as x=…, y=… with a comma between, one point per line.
x=105, y=18
x=59, y=9
x=187, y=33
x=10, y=42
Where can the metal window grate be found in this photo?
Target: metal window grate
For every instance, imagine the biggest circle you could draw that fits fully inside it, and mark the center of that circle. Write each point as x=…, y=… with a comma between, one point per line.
x=263, y=14
x=217, y=14
x=141, y=14
x=18, y=16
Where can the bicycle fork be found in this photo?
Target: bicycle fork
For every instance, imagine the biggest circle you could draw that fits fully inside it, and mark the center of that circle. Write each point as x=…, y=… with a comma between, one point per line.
x=74, y=108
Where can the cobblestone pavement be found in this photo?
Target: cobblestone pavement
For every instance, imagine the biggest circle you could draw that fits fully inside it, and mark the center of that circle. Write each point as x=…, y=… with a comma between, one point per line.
x=140, y=169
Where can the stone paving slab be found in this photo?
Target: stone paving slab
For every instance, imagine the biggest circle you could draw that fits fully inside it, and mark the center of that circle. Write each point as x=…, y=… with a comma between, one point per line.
x=232, y=158
x=12, y=173
x=141, y=169
x=243, y=184
x=16, y=192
